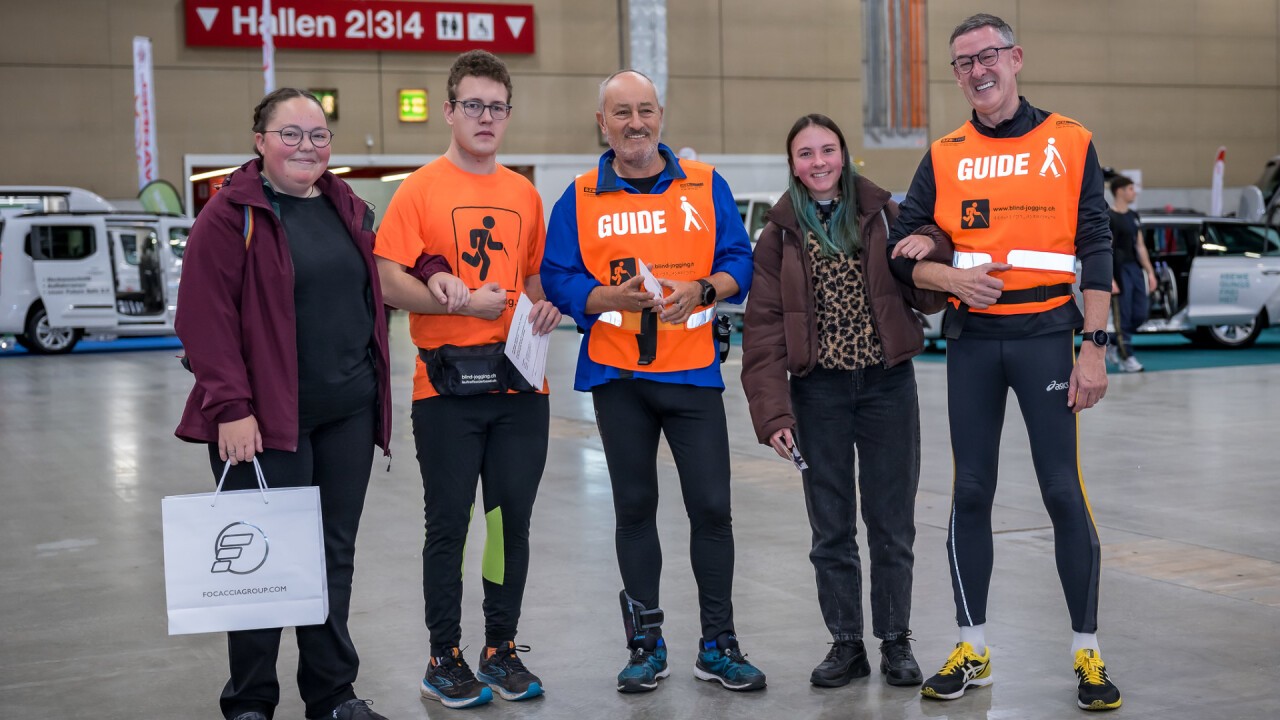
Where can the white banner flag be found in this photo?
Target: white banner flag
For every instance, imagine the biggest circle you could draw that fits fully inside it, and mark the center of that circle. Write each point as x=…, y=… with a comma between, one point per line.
x=144, y=112
x=1215, y=190
x=268, y=49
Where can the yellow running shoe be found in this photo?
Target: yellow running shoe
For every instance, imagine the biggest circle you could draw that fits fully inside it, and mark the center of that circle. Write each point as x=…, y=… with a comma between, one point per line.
x=1097, y=692
x=962, y=670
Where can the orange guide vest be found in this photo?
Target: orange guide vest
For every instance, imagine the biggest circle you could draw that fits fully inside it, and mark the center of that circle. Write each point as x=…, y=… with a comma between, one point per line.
x=674, y=233
x=1013, y=200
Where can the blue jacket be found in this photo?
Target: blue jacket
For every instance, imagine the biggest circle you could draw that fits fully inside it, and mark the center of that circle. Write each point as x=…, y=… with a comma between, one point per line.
x=567, y=282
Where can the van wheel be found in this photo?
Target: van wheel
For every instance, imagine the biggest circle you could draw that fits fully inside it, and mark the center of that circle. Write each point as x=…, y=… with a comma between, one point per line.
x=1232, y=336
x=43, y=339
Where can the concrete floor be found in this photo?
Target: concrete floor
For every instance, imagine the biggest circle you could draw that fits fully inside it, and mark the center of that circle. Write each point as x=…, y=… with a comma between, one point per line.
x=1181, y=470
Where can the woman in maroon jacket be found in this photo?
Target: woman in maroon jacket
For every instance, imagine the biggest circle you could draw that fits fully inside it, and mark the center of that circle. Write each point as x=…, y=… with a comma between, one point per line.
x=280, y=314
x=825, y=309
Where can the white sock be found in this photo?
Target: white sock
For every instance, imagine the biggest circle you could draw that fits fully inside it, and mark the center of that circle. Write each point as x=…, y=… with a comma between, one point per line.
x=1081, y=641
x=976, y=636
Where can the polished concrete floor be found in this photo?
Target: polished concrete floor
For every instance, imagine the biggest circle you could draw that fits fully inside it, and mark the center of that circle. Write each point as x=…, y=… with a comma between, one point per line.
x=1182, y=474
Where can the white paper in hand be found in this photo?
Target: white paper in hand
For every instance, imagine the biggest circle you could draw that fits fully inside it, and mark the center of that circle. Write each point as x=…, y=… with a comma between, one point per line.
x=650, y=281
x=526, y=351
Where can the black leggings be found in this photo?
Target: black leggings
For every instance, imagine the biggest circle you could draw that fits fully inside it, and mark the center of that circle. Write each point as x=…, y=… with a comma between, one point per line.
x=335, y=457
x=631, y=414
x=980, y=373
x=502, y=441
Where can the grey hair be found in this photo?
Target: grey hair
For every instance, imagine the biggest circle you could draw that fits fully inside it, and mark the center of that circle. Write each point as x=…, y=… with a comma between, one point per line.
x=981, y=20
x=605, y=84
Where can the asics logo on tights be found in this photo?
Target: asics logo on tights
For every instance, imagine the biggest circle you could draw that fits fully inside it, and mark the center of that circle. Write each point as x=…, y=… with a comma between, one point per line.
x=1056, y=385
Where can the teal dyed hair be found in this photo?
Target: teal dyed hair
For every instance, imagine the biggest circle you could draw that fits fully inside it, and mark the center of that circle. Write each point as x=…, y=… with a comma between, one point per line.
x=844, y=222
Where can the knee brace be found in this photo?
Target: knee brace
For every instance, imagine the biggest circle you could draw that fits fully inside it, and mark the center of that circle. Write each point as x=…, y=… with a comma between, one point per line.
x=638, y=620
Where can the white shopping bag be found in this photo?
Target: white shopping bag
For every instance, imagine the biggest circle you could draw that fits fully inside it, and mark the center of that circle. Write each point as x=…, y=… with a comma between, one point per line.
x=244, y=559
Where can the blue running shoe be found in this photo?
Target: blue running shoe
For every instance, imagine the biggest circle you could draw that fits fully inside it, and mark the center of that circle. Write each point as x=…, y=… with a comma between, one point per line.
x=502, y=670
x=449, y=680
x=722, y=661
x=644, y=669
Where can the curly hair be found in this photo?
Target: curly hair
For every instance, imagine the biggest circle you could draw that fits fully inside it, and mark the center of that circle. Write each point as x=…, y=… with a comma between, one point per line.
x=481, y=64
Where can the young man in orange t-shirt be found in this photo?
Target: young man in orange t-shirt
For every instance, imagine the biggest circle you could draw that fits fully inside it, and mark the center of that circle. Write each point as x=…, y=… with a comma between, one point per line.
x=474, y=416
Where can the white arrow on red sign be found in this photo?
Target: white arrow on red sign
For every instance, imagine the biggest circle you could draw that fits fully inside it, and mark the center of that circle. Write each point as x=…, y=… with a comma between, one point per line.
x=516, y=24
x=207, y=16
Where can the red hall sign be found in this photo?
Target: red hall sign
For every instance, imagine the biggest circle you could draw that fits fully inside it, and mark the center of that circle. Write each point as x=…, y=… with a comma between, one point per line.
x=363, y=25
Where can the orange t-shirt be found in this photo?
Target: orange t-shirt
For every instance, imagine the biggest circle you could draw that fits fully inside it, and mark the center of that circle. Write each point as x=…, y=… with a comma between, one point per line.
x=489, y=228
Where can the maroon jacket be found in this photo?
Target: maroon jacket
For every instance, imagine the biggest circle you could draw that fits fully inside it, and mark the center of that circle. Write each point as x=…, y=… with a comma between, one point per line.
x=236, y=315
x=780, y=332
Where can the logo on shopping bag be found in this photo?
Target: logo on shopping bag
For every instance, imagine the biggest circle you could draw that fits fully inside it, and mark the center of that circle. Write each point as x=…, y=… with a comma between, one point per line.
x=240, y=550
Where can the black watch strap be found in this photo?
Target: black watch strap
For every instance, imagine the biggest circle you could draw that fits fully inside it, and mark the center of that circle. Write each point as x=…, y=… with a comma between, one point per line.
x=708, y=291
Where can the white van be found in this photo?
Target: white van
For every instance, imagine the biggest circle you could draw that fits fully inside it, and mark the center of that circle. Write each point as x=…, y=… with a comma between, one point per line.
x=63, y=274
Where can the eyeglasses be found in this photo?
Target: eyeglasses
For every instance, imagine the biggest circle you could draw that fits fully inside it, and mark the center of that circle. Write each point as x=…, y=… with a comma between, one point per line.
x=475, y=108
x=964, y=63
x=292, y=136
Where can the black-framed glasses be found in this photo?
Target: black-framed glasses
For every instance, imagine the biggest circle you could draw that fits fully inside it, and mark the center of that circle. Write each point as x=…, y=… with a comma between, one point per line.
x=475, y=108
x=291, y=135
x=964, y=63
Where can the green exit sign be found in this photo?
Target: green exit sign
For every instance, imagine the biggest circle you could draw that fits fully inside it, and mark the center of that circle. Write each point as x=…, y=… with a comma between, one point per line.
x=413, y=105
x=328, y=98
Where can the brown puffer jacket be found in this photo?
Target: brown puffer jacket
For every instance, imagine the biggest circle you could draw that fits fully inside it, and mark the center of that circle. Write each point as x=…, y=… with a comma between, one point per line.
x=780, y=333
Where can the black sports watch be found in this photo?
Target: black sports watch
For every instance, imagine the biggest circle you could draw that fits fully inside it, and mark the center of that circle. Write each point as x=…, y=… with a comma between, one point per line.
x=708, y=291
x=1099, y=338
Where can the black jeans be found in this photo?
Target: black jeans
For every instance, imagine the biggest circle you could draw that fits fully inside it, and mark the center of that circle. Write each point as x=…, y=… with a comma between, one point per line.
x=631, y=414
x=500, y=440
x=336, y=457
x=871, y=415
x=980, y=373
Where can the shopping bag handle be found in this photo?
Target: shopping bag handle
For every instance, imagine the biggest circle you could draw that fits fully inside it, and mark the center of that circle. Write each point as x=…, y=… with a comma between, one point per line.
x=257, y=469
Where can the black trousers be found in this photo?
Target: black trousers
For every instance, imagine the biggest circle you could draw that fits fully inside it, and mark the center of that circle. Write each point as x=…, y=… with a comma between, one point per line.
x=501, y=440
x=631, y=414
x=871, y=416
x=980, y=373
x=335, y=457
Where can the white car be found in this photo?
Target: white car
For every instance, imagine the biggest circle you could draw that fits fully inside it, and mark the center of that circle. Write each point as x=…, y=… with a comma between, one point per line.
x=752, y=207
x=1218, y=279
x=65, y=274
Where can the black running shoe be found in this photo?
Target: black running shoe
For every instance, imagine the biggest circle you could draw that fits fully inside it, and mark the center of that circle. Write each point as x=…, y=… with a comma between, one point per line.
x=501, y=669
x=1096, y=692
x=449, y=680
x=963, y=669
x=355, y=709
x=846, y=660
x=897, y=664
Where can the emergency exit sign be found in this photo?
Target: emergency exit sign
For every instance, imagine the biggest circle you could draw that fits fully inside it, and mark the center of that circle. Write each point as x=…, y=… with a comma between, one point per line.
x=413, y=105
x=391, y=25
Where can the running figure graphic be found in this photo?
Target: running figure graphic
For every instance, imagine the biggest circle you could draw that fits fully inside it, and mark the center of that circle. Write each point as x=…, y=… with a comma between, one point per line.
x=972, y=215
x=482, y=241
x=1051, y=159
x=691, y=215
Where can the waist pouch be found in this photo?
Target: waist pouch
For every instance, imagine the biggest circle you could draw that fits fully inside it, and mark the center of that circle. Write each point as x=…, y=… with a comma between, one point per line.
x=953, y=317
x=472, y=370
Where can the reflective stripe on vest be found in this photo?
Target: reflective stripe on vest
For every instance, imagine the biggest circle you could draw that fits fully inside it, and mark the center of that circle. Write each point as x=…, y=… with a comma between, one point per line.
x=696, y=320
x=672, y=232
x=1024, y=259
x=1013, y=200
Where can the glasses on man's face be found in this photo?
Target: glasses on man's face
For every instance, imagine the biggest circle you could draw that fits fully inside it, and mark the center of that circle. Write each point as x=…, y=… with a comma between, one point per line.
x=964, y=63
x=475, y=108
x=291, y=135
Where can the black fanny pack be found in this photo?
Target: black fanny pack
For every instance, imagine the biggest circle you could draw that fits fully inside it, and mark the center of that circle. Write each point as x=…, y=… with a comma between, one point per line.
x=954, y=317
x=473, y=370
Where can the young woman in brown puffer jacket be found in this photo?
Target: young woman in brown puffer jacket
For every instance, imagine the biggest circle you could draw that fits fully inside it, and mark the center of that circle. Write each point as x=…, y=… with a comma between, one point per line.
x=825, y=309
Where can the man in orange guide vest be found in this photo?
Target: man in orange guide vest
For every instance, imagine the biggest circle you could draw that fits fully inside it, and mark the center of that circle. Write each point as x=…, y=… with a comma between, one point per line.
x=474, y=415
x=650, y=361
x=1020, y=192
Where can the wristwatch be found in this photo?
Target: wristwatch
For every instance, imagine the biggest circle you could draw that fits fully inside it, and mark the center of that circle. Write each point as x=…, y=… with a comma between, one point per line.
x=1099, y=338
x=708, y=291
